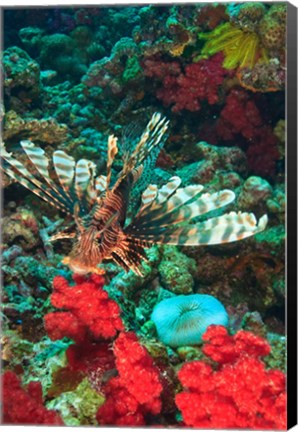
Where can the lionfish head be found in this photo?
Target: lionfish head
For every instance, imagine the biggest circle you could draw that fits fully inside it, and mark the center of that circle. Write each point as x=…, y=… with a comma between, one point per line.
x=86, y=254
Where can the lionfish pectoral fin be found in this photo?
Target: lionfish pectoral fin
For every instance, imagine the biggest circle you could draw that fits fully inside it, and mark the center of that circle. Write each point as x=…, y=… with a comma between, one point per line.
x=172, y=204
x=227, y=228
x=164, y=219
x=18, y=172
x=101, y=185
x=130, y=254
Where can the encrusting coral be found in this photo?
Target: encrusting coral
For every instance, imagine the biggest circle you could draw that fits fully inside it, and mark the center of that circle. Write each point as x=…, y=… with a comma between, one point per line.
x=43, y=130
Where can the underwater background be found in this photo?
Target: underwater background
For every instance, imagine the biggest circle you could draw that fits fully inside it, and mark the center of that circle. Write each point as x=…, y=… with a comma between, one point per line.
x=107, y=350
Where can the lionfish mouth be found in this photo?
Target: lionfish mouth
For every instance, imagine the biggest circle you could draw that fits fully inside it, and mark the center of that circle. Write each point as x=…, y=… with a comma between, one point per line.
x=80, y=268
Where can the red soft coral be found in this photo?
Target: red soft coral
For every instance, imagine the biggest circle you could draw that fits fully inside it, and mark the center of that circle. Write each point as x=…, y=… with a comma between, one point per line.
x=186, y=90
x=25, y=406
x=241, y=117
x=136, y=391
x=240, y=393
x=223, y=348
x=136, y=370
x=90, y=312
x=120, y=407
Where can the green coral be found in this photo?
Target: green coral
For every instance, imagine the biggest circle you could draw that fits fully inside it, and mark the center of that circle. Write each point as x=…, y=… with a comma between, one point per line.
x=47, y=357
x=66, y=60
x=78, y=407
x=176, y=271
x=274, y=238
x=21, y=70
x=278, y=354
x=132, y=70
x=32, y=271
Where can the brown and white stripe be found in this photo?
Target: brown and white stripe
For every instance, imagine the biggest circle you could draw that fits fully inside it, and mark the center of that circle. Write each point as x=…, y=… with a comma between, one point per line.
x=112, y=151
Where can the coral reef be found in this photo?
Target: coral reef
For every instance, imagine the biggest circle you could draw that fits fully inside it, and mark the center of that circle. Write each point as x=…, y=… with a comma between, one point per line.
x=78, y=407
x=262, y=152
x=176, y=271
x=254, y=35
x=210, y=16
x=21, y=75
x=85, y=351
x=21, y=229
x=267, y=77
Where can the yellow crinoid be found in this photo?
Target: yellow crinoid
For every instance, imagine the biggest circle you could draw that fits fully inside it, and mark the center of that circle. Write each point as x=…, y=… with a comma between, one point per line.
x=240, y=48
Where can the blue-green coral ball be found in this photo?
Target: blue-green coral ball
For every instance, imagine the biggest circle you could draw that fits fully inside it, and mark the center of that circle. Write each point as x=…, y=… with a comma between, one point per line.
x=183, y=319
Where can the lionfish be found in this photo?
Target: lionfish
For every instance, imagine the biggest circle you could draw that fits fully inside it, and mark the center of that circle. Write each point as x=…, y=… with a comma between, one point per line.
x=100, y=227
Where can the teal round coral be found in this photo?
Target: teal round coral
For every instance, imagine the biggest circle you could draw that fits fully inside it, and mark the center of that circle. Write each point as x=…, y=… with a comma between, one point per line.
x=183, y=319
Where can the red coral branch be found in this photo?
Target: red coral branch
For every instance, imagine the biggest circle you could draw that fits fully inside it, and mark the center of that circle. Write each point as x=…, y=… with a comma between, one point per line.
x=241, y=116
x=25, y=406
x=136, y=391
x=90, y=313
x=186, y=90
x=240, y=393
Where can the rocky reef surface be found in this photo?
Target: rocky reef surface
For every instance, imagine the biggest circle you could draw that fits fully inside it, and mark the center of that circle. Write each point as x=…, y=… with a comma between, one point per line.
x=82, y=351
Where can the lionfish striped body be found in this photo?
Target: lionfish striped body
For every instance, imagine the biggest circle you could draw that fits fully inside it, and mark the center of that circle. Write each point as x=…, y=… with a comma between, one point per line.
x=100, y=230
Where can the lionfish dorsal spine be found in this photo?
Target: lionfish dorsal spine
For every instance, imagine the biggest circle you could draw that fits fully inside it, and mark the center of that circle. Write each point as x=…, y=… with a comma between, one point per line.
x=112, y=151
x=150, y=138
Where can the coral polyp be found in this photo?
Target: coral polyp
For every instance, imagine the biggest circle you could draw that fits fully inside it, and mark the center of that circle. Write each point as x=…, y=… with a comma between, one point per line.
x=241, y=48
